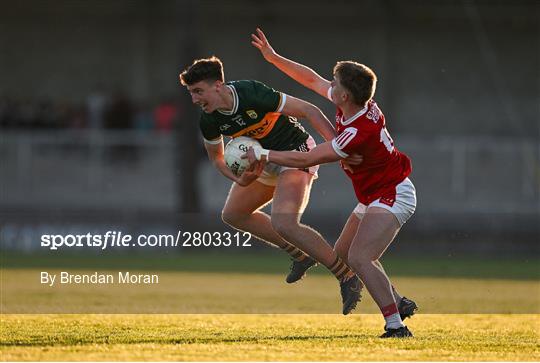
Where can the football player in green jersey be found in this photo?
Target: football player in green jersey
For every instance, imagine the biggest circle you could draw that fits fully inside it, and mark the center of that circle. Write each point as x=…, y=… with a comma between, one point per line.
x=250, y=108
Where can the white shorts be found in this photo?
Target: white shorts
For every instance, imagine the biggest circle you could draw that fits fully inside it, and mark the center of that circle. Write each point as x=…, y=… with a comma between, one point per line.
x=271, y=171
x=403, y=206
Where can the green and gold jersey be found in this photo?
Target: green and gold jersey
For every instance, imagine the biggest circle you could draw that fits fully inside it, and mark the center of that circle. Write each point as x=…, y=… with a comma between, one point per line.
x=256, y=114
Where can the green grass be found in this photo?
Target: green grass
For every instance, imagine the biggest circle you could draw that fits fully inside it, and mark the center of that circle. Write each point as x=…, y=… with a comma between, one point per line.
x=265, y=337
x=253, y=283
x=237, y=307
x=274, y=261
x=230, y=292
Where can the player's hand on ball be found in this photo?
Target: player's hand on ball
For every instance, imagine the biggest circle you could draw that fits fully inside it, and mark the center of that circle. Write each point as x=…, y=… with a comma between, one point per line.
x=250, y=155
x=251, y=173
x=255, y=154
x=261, y=43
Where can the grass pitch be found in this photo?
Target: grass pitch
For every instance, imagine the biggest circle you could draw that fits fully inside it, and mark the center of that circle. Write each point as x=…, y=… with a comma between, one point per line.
x=254, y=283
x=258, y=293
x=261, y=337
x=240, y=309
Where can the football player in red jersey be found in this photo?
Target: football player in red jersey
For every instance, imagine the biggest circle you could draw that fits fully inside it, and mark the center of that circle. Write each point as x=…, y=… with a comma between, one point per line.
x=387, y=198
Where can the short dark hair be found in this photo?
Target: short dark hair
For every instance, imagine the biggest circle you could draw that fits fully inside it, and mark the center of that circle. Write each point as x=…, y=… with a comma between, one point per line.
x=358, y=79
x=206, y=69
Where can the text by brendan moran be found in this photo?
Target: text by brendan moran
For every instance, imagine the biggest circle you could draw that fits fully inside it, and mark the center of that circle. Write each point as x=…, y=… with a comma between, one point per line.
x=97, y=278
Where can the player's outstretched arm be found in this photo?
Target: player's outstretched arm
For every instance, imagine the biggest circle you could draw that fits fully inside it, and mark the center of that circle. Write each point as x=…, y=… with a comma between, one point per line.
x=302, y=109
x=299, y=72
x=321, y=154
x=215, y=154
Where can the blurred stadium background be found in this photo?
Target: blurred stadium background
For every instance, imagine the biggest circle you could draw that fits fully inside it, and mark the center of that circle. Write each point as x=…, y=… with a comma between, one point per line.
x=96, y=132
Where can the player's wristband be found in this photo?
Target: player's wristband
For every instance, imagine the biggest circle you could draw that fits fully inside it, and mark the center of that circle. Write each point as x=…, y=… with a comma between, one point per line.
x=260, y=152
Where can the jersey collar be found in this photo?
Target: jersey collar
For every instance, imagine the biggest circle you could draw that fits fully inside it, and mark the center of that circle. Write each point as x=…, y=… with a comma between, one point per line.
x=354, y=117
x=235, y=102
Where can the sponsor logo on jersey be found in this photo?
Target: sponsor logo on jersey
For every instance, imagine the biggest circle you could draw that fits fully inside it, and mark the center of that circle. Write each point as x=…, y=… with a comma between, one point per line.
x=224, y=127
x=252, y=114
x=261, y=128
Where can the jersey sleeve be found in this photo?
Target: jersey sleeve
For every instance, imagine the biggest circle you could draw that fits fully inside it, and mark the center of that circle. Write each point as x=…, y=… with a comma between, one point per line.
x=348, y=141
x=209, y=130
x=268, y=99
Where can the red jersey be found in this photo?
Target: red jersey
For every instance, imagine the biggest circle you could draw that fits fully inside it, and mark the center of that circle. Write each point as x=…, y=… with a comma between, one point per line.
x=383, y=167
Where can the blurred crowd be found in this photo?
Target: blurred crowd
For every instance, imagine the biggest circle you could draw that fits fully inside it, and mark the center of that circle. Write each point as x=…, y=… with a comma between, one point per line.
x=99, y=111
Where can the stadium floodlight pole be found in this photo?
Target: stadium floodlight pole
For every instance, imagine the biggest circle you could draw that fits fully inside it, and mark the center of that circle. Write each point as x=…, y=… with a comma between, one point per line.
x=187, y=154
